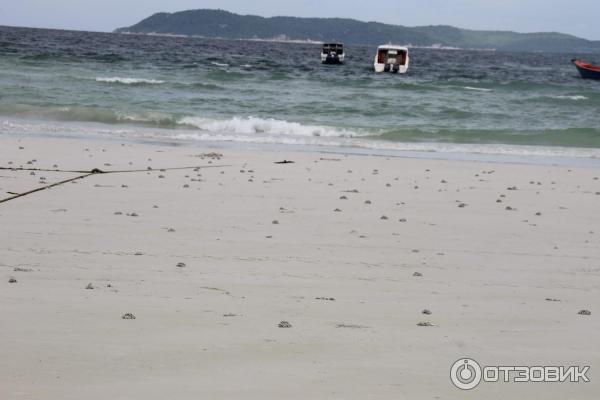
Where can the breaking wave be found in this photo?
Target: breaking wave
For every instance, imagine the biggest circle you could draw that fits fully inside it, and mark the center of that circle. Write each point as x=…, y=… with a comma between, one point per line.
x=477, y=89
x=269, y=126
x=214, y=131
x=574, y=97
x=130, y=81
x=241, y=126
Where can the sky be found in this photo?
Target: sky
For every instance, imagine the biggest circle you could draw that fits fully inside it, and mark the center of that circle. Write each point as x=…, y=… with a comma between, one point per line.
x=577, y=17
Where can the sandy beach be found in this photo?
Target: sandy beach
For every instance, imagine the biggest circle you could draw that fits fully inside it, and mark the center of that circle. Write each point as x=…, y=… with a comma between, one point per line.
x=354, y=252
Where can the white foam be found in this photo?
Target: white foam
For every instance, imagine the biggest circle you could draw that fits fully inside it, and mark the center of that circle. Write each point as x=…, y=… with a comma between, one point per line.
x=477, y=89
x=283, y=39
x=269, y=126
x=263, y=139
x=250, y=135
x=485, y=149
x=402, y=147
x=129, y=81
x=573, y=97
x=439, y=46
x=219, y=64
x=436, y=46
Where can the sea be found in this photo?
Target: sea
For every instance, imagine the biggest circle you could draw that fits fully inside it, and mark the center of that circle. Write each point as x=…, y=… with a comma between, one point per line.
x=453, y=103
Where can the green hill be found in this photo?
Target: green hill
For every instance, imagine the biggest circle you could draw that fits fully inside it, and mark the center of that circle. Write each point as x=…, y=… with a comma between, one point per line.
x=223, y=24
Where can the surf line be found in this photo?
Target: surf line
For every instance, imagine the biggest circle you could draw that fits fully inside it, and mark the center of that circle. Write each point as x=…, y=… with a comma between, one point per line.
x=89, y=173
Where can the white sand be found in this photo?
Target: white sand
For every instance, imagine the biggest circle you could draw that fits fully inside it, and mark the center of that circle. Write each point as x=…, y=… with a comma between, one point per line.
x=209, y=330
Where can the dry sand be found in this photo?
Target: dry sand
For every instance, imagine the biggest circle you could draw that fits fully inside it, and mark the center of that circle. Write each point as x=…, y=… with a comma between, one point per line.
x=211, y=261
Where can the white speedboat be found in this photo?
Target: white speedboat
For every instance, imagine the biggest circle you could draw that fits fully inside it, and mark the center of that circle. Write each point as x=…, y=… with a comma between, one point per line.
x=391, y=58
x=333, y=53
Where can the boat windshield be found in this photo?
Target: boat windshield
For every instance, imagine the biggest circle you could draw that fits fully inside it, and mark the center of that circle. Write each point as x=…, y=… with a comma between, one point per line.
x=333, y=48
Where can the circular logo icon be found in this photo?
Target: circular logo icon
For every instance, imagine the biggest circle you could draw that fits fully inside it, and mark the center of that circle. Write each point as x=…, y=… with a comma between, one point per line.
x=465, y=374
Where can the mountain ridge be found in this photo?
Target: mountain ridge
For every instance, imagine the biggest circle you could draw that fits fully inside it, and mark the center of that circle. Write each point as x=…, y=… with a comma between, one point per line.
x=224, y=24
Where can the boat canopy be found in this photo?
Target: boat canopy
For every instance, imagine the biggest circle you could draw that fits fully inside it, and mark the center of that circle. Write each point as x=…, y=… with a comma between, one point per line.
x=392, y=54
x=393, y=47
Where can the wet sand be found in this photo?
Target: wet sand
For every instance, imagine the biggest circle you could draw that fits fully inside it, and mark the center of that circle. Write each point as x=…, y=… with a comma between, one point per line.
x=177, y=283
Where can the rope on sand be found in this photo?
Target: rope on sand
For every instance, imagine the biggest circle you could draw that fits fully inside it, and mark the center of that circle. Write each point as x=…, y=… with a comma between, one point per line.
x=86, y=174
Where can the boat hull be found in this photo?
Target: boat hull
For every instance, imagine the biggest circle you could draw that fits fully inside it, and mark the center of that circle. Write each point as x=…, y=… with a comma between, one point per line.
x=393, y=68
x=332, y=60
x=587, y=72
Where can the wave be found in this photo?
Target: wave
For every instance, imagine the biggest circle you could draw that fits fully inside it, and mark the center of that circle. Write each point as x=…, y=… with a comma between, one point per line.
x=129, y=81
x=235, y=125
x=559, y=99
x=89, y=114
x=392, y=147
x=251, y=129
x=198, y=85
x=477, y=89
x=565, y=137
x=435, y=46
x=218, y=64
x=507, y=152
x=268, y=126
x=510, y=150
x=74, y=57
x=282, y=39
x=573, y=97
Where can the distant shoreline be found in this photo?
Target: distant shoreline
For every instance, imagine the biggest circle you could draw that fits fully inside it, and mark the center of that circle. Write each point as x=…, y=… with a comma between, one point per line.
x=209, y=23
x=437, y=46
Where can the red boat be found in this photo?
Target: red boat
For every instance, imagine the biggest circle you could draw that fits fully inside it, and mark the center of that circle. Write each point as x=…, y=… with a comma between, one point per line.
x=587, y=71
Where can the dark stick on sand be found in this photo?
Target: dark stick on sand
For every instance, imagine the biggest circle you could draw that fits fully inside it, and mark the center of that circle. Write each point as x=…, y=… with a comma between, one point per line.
x=44, y=188
x=86, y=174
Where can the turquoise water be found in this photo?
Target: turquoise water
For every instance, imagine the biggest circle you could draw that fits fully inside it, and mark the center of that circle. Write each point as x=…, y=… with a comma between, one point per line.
x=192, y=89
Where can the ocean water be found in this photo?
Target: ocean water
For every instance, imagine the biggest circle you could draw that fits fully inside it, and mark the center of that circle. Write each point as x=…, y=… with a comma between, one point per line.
x=186, y=90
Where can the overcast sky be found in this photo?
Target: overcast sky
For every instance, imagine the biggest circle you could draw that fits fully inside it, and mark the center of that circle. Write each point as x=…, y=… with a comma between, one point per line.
x=578, y=17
